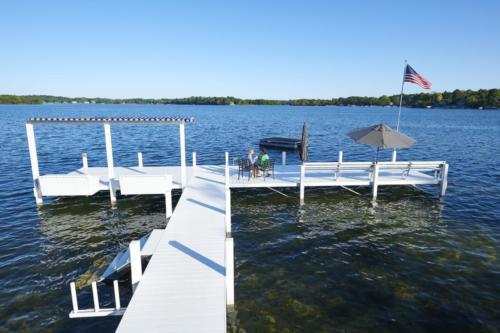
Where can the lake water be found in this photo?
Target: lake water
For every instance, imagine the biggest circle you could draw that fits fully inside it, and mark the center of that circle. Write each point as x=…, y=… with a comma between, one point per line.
x=336, y=264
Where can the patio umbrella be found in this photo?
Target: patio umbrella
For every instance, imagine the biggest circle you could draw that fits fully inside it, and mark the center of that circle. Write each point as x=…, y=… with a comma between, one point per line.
x=303, y=144
x=381, y=136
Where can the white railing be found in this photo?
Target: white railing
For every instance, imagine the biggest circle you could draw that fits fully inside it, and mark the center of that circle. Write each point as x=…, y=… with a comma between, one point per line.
x=97, y=311
x=373, y=170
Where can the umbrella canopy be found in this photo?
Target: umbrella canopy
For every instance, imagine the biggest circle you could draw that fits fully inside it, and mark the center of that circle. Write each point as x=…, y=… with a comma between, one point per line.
x=304, y=144
x=381, y=136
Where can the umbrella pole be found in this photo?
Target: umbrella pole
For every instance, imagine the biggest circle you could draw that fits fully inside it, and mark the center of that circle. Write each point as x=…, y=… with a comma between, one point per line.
x=376, y=156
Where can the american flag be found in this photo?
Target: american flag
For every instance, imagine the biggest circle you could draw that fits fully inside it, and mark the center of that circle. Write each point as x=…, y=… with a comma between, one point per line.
x=412, y=76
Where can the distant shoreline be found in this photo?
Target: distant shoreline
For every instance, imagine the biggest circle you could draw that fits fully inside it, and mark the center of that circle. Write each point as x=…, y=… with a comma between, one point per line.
x=458, y=99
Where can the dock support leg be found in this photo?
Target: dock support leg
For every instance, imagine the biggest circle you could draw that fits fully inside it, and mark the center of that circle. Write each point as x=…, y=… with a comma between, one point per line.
x=283, y=158
x=375, y=181
x=140, y=162
x=302, y=185
x=85, y=161
x=30, y=132
x=228, y=212
x=74, y=300
x=230, y=273
x=444, y=180
x=394, y=155
x=95, y=296
x=109, y=158
x=341, y=156
x=182, y=140
x=135, y=263
x=194, y=159
x=226, y=169
x=118, y=305
x=168, y=203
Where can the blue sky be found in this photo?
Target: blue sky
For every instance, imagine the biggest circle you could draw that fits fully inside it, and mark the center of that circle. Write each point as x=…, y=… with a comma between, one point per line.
x=248, y=49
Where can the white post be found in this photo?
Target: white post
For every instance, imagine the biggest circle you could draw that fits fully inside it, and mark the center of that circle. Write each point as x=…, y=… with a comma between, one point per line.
x=226, y=169
x=194, y=159
x=283, y=158
x=139, y=160
x=227, y=217
x=182, y=140
x=341, y=156
x=85, y=161
x=168, y=203
x=74, y=300
x=95, y=296
x=34, y=163
x=229, y=272
x=117, y=295
x=444, y=180
x=375, y=181
x=109, y=157
x=394, y=155
x=135, y=263
x=302, y=185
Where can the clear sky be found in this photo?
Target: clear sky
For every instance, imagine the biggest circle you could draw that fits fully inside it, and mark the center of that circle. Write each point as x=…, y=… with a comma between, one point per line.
x=249, y=49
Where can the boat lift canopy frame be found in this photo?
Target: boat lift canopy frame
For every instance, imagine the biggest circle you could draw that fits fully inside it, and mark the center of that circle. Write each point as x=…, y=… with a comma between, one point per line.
x=109, y=147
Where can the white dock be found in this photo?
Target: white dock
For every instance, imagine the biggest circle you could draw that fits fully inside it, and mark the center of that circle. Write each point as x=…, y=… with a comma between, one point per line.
x=188, y=284
x=183, y=288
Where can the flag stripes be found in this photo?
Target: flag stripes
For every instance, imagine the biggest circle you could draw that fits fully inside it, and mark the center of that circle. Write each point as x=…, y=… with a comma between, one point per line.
x=412, y=76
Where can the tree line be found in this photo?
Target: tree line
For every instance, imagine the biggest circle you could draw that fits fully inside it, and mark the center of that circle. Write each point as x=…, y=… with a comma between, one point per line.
x=482, y=98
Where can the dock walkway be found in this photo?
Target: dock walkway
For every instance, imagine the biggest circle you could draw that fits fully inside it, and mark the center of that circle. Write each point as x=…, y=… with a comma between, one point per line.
x=183, y=286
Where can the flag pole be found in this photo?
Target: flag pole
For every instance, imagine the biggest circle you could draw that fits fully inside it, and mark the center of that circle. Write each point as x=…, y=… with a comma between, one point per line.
x=394, y=152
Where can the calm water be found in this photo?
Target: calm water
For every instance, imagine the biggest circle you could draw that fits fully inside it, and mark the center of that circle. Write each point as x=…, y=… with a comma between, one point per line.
x=337, y=264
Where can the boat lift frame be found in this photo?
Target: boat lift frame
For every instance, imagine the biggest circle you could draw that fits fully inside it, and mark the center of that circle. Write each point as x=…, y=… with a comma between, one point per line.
x=106, y=122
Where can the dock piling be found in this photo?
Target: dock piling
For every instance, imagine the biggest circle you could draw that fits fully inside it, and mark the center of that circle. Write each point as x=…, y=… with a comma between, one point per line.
x=444, y=180
x=375, y=181
x=74, y=300
x=227, y=194
x=182, y=140
x=168, y=203
x=194, y=159
x=302, y=185
x=85, y=161
x=95, y=296
x=34, y=163
x=341, y=156
x=140, y=162
x=109, y=158
x=229, y=272
x=135, y=263
x=283, y=158
x=226, y=169
x=117, y=295
x=394, y=155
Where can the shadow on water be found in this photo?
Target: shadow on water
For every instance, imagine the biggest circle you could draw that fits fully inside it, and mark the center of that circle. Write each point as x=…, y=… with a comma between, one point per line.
x=343, y=264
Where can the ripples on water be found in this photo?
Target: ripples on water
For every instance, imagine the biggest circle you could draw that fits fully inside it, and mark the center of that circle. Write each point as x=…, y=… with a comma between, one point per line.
x=337, y=263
